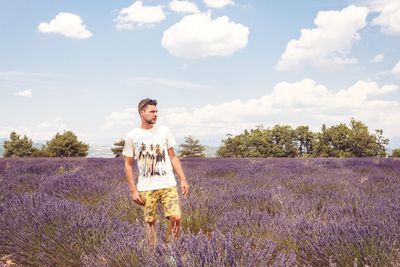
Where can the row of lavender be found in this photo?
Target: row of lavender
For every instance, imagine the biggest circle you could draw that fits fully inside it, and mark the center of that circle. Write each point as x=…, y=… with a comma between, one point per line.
x=241, y=212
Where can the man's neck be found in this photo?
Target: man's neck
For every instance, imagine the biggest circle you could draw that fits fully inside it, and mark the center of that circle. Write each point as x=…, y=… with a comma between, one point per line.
x=146, y=126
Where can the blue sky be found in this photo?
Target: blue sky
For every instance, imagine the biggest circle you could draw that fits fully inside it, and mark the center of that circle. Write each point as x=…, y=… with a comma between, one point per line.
x=215, y=66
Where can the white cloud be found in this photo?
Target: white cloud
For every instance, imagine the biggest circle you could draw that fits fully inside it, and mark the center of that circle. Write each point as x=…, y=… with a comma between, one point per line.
x=389, y=17
x=396, y=70
x=26, y=93
x=329, y=43
x=378, y=58
x=119, y=119
x=307, y=93
x=218, y=37
x=5, y=131
x=183, y=6
x=218, y=3
x=38, y=133
x=304, y=102
x=138, y=15
x=67, y=24
x=55, y=124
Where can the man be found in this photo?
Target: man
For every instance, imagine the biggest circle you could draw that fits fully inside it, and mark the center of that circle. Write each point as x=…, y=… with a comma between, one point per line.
x=147, y=145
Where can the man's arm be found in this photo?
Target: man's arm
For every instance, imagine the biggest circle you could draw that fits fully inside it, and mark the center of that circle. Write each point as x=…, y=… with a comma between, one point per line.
x=176, y=164
x=130, y=177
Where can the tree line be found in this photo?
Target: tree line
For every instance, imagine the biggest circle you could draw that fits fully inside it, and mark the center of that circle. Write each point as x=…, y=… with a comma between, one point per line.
x=353, y=140
x=339, y=140
x=68, y=145
x=65, y=144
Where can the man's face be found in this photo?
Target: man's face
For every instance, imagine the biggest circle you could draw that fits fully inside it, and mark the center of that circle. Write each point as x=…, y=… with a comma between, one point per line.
x=149, y=114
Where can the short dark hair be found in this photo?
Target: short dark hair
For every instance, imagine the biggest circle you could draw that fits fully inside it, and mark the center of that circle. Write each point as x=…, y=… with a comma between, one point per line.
x=145, y=102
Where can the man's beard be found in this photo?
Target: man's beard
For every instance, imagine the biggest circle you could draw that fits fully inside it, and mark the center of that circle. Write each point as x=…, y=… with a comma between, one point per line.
x=151, y=121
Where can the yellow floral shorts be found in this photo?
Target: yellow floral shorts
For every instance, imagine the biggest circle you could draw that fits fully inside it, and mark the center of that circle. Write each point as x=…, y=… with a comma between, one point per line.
x=168, y=197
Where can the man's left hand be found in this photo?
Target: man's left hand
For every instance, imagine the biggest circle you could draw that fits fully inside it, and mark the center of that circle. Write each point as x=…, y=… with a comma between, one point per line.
x=185, y=188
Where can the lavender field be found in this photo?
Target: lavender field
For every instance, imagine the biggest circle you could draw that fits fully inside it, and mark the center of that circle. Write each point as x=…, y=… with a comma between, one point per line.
x=241, y=212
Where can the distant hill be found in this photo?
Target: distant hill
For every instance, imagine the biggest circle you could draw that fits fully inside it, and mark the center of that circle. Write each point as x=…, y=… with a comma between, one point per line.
x=395, y=142
x=1, y=146
x=210, y=151
x=38, y=145
x=100, y=151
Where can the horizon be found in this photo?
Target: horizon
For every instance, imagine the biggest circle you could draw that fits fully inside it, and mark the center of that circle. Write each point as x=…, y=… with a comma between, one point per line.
x=69, y=66
x=180, y=141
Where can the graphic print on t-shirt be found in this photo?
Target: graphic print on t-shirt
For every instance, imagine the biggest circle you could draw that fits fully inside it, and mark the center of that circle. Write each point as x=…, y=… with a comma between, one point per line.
x=151, y=160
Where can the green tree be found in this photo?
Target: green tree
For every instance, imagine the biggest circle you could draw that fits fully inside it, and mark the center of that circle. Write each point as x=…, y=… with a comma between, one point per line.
x=354, y=141
x=118, y=148
x=305, y=140
x=256, y=143
x=284, y=141
x=382, y=142
x=259, y=142
x=333, y=141
x=65, y=145
x=43, y=152
x=395, y=153
x=364, y=144
x=19, y=147
x=230, y=147
x=191, y=148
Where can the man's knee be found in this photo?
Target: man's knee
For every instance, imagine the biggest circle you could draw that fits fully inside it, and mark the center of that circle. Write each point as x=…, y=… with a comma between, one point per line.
x=151, y=223
x=175, y=218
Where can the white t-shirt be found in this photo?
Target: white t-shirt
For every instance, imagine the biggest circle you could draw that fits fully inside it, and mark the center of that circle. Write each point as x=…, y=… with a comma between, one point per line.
x=150, y=149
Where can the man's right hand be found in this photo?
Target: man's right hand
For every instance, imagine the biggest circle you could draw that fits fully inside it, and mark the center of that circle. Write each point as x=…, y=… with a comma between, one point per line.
x=137, y=199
